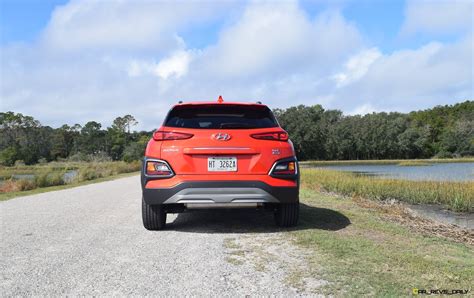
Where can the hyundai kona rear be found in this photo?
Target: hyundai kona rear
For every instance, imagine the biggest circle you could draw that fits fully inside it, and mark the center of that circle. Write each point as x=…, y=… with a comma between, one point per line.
x=219, y=155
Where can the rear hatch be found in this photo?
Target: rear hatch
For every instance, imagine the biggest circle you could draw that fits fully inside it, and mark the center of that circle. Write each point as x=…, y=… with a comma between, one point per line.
x=223, y=139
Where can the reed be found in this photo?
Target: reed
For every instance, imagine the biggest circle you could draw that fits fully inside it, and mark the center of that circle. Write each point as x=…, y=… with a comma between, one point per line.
x=414, y=163
x=457, y=196
x=53, y=174
x=384, y=161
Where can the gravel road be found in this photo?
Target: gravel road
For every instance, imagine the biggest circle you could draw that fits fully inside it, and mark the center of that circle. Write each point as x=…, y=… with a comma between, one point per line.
x=89, y=240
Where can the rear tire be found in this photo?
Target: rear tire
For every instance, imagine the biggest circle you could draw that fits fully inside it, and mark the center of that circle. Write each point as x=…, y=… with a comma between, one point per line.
x=286, y=215
x=154, y=216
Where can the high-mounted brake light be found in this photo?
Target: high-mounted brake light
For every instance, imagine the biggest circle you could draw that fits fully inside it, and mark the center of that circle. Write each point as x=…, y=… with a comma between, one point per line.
x=158, y=168
x=274, y=136
x=170, y=136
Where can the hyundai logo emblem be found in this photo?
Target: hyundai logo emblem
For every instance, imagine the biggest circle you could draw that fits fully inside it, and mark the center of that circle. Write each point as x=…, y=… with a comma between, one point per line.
x=222, y=136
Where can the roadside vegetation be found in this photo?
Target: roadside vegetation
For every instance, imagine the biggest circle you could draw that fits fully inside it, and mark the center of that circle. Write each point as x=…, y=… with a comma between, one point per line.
x=48, y=155
x=23, y=140
x=400, y=162
x=37, y=158
x=317, y=134
x=362, y=251
x=18, y=180
x=414, y=163
x=457, y=196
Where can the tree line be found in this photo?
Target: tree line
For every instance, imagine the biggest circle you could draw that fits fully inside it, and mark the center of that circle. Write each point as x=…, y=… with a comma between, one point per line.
x=24, y=140
x=319, y=134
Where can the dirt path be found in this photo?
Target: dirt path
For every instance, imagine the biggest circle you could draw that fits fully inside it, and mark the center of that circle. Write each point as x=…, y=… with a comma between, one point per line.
x=89, y=240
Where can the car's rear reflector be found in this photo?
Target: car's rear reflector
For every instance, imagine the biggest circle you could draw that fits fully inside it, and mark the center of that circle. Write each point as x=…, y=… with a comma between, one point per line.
x=170, y=136
x=274, y=136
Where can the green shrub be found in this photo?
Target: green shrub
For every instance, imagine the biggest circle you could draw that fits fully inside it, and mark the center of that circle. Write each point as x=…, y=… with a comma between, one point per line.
x=87, y=174
x=8, y=156
x=49, y=178
x=55, y=178
x=41, y=179
x=19, y=163
x=99, y=157
x=77, y=157
x=133, y=152
x=42, y=161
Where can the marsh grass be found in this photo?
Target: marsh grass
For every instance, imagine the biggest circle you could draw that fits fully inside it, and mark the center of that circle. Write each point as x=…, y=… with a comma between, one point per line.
x=49, y=178
x=384, y=161
x=457, y=196
x=13, y=194
x=414, y=163
x=53, y=174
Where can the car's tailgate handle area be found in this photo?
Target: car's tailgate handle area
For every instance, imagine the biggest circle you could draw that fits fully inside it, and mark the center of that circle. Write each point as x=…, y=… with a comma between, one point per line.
x=220, y=150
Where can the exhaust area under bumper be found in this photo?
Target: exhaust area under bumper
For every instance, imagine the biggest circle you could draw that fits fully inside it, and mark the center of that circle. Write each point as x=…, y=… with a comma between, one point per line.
x=217, y=193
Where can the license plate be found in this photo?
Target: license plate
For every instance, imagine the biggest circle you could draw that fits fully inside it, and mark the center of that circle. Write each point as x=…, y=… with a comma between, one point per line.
x=222, y=164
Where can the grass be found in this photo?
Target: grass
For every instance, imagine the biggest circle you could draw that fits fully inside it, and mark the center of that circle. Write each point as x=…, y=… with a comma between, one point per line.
x=457, y=196
x=11, y=195
x=414, y=163
x=361, y=253
x=384, y=161
x=51, y=176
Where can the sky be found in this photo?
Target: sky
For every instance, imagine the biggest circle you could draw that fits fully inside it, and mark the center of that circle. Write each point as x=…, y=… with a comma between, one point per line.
x=76, y=61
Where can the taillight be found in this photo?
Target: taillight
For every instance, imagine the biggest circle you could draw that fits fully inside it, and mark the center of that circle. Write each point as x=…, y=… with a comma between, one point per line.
x=170, y=136
x=275, y=136
x=158, y=168
x=284, y=168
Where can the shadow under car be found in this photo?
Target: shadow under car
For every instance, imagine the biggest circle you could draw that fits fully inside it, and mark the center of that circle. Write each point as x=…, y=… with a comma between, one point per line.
x=254, y=220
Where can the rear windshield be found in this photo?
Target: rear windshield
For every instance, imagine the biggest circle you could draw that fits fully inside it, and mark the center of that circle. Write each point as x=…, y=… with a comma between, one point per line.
x=221, y=116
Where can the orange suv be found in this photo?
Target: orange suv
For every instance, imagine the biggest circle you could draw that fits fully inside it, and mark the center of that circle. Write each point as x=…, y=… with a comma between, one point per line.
x=219, y=155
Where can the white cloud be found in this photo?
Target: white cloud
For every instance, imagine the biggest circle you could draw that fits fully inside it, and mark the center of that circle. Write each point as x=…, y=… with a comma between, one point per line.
x=274, y=38
x=413, y=79
x=100, y=60
x=438, y=16
x=357, y=66
x=364, y=109
x=119, y=25
x=175, y=65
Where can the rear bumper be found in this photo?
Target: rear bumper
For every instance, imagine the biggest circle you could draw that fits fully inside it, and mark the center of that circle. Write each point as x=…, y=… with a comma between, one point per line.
x=219, y=192
x=220, y=189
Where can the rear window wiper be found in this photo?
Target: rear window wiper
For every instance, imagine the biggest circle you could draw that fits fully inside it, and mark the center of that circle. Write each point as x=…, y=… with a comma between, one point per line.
x=235, y=125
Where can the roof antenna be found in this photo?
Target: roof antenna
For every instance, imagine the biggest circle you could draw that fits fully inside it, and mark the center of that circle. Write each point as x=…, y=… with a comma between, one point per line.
x=259, y=102
x=220, y=99
x=180, y=101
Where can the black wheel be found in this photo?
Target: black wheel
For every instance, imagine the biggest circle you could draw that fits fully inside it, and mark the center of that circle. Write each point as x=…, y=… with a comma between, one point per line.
x=154, y=216
x=286, y=215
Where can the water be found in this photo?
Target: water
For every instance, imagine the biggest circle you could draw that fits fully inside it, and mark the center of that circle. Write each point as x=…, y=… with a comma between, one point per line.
x=434, y=172
x=23, y=176
x=438, y=213
x=463, y=171
x=68, y=176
